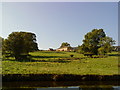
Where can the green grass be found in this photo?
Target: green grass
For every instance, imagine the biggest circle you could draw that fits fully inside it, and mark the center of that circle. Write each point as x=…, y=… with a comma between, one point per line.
x=51, y=62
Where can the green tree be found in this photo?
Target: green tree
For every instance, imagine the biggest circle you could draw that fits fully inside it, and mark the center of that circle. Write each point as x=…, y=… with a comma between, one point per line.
x=106, y=45
x=65, y=44
x=19, y=43
x=1, y=39
x=96, y=42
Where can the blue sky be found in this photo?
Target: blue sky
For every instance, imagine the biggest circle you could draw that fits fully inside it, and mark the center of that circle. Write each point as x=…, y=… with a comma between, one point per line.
x=57, y=22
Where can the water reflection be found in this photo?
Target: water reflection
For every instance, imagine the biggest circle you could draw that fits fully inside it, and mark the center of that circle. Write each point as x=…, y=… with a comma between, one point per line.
x=65, y=88
x=116, y=87
x=49, y=85
x=19, y=89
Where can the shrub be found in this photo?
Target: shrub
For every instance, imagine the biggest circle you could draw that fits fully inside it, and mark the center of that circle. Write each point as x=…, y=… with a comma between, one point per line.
x=71, y=55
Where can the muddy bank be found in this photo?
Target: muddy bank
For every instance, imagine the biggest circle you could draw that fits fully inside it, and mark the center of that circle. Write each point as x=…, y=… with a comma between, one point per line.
x=56, y=77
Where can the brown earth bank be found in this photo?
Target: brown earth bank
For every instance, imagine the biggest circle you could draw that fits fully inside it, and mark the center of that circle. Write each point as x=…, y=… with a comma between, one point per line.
x=58, y=77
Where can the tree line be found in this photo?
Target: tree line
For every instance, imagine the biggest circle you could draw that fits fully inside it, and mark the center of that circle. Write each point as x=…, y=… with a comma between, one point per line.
x=19, y=44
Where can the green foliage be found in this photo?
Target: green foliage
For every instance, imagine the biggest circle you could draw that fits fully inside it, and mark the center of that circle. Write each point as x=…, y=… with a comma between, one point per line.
x=96, y=42
x=106, y=45
x=19, y=44
x=1, y=40
x=65, y=44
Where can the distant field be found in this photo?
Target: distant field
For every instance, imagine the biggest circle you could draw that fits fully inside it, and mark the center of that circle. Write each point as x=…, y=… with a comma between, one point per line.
x=51, y=62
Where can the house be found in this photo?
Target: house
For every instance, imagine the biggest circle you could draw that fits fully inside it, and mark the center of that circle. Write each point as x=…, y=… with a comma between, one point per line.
x=51, y=49
x=66, y=49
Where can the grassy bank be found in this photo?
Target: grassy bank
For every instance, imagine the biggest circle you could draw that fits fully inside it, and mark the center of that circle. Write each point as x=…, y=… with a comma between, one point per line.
x=51, y=62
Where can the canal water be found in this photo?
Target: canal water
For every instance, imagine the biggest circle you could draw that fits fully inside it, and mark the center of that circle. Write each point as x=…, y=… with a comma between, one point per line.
x=69, y=85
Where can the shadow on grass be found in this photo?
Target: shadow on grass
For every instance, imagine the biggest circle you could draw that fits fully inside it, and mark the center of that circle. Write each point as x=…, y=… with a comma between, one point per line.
x=25, y=60
x=47, y=57
x=49, y=52
x=6, y=59
x=40, y=60
x=114, y=54
x=57, y=61
x=53, y=52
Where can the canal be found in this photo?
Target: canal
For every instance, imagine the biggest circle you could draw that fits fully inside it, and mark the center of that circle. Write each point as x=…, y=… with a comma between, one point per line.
x=60, y=85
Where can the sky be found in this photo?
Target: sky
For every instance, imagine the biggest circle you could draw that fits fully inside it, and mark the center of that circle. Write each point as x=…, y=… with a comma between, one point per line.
x=57, y=22
x=59, y=0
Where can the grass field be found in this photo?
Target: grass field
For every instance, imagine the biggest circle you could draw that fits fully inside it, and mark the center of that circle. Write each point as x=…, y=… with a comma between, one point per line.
x=51, y=62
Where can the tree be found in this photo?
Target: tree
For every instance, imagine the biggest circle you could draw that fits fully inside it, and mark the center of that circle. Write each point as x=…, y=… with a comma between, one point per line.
x=1, y=40
x=19, y=44
x=65, y=44
x=106, y=45
x=96, y=42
